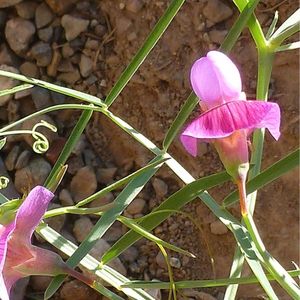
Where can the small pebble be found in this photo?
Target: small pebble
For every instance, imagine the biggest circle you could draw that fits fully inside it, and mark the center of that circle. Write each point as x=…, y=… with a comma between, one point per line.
x=45, y=34
x=136, y=206
x=85, y=66
x=106, y=175
x=160, y=187
x=7, y=83
x=73, y=26
x=42, y=53
x=65, y=198
x=23, y=159
x=29, y=69
x=83, y=184
x=78, y=290
x=216, y=11
x=218, y=228
x=41, y=97
x=12, y=157
x=82, y=228
x=26, y=9
x=43, y=15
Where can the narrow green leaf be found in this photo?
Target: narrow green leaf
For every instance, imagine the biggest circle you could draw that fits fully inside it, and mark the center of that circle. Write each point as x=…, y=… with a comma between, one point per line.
x=2, y=143
x=120, y=183
x=143, y=52
x=15, y=89
x=107, y=274
x=56, y=88
x=275, y=171
x=287, y=47
x=107, y=219
x=68, y=148
x=273, y=25
x=180, y=119
x=174, y=202
x=106, y=292
x=238, y=26
x=192, y=284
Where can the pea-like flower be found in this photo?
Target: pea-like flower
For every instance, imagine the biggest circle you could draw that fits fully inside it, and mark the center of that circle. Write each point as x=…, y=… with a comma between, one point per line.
x=228, y=118
x=18, y=257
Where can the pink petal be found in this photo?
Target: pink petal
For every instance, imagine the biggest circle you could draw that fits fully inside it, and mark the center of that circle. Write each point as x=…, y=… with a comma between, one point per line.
x=31, y=211
x=223, y=120
x=5, y=232
x=215, y=79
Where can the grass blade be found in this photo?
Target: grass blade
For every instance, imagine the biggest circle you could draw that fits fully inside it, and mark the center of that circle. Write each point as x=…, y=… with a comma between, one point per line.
x=174, y=202
x=53, y=87
x=143, y=52
x=16, y=89
x=107, y=219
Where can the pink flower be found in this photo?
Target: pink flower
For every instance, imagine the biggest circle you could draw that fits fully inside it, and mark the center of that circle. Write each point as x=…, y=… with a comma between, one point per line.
x=18, y=257
x=228, y=118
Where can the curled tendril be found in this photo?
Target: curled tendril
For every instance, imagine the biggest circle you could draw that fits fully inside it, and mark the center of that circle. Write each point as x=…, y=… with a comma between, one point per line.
x=41, y=143
x=3, y=182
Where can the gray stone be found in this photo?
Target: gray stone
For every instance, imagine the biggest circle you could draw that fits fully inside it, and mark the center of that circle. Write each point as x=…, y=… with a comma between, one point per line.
x=7, y=83
x=7, y=56
x=61, y=6
x=43, y=15
x=217, y=36
x=160, y=260
x=160, y=187
x=216, y=11
x=65, y=198
x=41, y=97
x=19, y=33
x=106, y=175
x=69, y=77
x=82, y=228
x=73, y=26
x=26, y=9
x=45, y=34
x=29, y=69
x=42, y=53
x=134, y=5
x=23, y=159
x=7, y=3
x=78, y=290
x=34, y=174
x=218, y=228
x=83, y=184
x=85, y=65
x=136, y=206
x=12, y=157
x=130, y=254
x=175, y=262
x=56, y=222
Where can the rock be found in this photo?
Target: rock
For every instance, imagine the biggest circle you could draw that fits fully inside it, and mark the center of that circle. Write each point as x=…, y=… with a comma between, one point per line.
x=29, y=69
x=45, y=34
x=160, y=260
x=65, y=198
x=136, y=206
x=218, y=228
x=7, y=83
x=40, y=283
x=106, y=175
x=130, y=254
x=122, y=24
x=23, y=159
x=100, y=248
x=41, y=97
x=42, y=53
x=34, y=174
x=73, y=26
x=134, y=5
x=82, y=228
x=85, y=65
x=12, y=157
x=217, y=36
x=106, y=199
x=61, y=6
x=26, y=9
x=67, y=51
x=8, y=57
x=197, y=295
x=19, y=33
x=216, y=11
x=56, y=222
x=155, y=293
x=114, y=233
x=160, y=187
x=69, y=77
x=77, y=290
x=3, y=20
x=43, y=15
x=83, y=184
x=175, y=262
x=7, y=3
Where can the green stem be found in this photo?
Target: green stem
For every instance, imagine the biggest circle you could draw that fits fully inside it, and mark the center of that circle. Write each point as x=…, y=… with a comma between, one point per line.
x=277, y=271
x=69, y=146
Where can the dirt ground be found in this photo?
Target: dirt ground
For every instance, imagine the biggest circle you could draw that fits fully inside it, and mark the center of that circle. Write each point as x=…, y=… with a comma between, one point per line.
x=150, y=103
